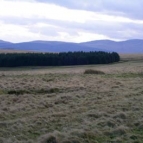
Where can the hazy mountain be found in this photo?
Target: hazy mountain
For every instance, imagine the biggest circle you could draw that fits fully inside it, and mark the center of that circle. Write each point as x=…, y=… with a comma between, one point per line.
x=48, y=46
x=129, y=46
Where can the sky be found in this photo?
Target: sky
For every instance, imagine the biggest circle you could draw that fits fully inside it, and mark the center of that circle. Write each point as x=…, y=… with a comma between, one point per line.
x=70, y=20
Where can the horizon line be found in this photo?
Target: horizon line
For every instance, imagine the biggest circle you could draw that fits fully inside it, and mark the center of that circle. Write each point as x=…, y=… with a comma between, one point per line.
x=69, y=41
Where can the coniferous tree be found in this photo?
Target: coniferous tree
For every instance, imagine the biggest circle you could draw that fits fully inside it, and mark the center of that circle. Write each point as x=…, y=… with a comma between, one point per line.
x=57, y=59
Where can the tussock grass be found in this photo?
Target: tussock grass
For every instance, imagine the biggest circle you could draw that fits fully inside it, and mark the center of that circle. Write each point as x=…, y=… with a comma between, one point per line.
x=40, y=91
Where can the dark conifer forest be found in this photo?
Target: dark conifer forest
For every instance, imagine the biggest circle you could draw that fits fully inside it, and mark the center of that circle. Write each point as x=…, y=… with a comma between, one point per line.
x=57, y=59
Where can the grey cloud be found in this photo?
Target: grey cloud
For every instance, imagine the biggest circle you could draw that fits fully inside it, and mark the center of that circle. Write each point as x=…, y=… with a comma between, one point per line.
x=19, y=21
x=114, y=30
x=48, y=31
x=128, y=8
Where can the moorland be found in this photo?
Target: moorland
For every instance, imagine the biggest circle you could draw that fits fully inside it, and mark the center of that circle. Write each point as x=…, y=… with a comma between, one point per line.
x=68, y=105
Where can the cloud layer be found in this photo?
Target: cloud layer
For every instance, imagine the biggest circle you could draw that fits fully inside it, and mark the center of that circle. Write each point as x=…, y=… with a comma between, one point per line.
x=70, y=20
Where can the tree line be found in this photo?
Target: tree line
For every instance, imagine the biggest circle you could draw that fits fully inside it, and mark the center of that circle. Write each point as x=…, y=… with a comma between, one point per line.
x=57, y=59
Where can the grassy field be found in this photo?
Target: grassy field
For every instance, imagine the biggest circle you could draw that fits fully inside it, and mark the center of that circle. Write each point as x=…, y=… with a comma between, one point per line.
x=65, y=105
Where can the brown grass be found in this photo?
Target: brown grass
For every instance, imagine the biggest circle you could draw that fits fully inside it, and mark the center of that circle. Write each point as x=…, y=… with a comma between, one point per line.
x=14, y=51
x=64, y=105
x=131, y=57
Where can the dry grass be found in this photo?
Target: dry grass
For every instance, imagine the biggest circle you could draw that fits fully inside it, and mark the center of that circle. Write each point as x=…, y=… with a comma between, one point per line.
x=64, y=105
x=131, y=57
x=14, y=51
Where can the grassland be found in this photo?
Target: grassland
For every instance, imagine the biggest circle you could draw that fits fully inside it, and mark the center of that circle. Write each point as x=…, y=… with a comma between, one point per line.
x=64, y=105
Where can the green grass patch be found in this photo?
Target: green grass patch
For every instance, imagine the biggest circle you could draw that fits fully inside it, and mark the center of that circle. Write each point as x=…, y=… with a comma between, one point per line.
x=130, y=75
x=137, y=134
x=124, y=75
x=2, y=92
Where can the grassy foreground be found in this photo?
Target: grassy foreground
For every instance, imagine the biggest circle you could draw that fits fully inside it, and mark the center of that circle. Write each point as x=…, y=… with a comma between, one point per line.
x=64, y=105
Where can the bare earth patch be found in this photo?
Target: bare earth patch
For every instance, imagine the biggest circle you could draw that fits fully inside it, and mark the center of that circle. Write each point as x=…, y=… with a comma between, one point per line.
x=64, y=105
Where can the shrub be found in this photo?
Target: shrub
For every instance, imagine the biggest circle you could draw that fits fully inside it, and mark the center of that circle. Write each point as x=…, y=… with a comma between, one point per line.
x=91, y=71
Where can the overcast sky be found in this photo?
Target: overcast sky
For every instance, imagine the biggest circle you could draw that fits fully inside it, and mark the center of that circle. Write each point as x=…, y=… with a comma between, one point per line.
x=70, y=20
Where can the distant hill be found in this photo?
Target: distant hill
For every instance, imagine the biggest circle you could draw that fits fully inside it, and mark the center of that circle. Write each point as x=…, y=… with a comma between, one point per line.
x=47, y=46
x=129, y=46
x=1, y=42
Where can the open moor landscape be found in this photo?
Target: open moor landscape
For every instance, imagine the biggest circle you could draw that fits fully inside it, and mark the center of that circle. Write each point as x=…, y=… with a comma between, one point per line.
x=73, y=104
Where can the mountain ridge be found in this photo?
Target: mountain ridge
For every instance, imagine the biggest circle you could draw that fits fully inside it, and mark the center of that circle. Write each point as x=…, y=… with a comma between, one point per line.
x=127, y=46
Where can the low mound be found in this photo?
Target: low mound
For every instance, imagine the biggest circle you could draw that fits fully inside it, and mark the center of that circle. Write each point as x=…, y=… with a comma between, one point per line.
x=91, y=71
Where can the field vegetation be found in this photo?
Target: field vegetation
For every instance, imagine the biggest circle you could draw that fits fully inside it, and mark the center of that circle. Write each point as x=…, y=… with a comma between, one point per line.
x=73, y=104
